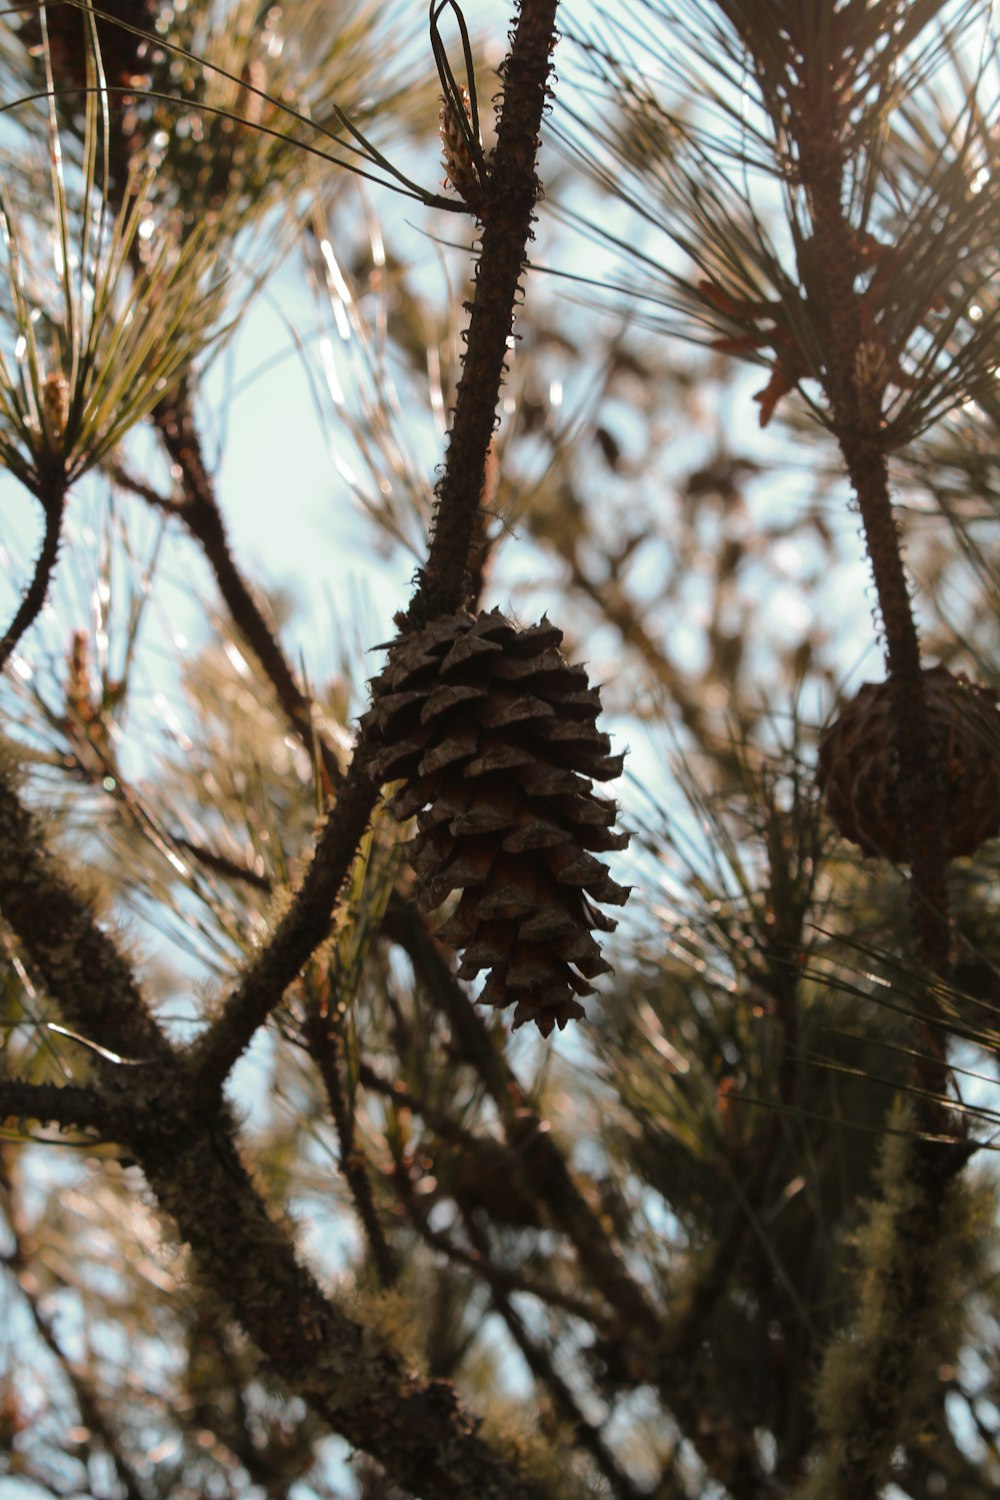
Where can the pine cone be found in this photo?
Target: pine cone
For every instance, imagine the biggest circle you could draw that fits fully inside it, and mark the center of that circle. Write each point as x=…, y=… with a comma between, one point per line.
x=859, y=774
x=494, y=736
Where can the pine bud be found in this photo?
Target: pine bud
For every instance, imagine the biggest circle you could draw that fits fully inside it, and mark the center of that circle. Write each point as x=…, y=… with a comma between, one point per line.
x=459, y=159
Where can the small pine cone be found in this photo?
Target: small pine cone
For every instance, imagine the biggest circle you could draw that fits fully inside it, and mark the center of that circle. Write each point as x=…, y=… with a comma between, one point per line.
x=494, y=737
x=858, y=765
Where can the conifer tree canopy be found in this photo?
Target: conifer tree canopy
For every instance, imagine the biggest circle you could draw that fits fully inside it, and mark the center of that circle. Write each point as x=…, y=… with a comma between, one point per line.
x=499, y=750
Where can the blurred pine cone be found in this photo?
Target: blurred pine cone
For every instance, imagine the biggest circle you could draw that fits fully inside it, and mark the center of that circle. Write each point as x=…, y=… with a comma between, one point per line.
x=124, y=55
x=858, y=765
x=494, y=736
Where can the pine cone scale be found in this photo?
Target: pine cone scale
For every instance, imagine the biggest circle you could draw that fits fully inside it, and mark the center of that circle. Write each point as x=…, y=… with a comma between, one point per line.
x=457, y=747
x=447, y=697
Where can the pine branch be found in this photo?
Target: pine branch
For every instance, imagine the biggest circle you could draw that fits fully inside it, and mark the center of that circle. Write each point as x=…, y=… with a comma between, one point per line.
x=507, y=213
x=525, y=1132
x=441, y=1123
x=510, y=203
x=305, y=925
x=876, y=1388
x=169, y=1120
x=69, y=1106
x=808, y=88
x=124, y=477
x=348, y=1375
x=80, y=964
x=857, y=423
x=487, y=1269
x=323, y=1034
x=639, y=1322
x=34, y=599
x=778, y=976
x=501, y=1283
x=542, y=1366
x=221, y=864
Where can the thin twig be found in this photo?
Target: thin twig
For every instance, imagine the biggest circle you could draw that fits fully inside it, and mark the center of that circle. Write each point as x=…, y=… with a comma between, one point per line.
x=126, y=480
x=481, y=1262
x=37, y=591
x=70, y=1106
x=305, y=925
x=556, y=1190
x=89, y=1404
x=222, y=864
x=323, y=1032
x=202, y=516
x=542, y=1366
x=639, y=1321
x=404, y=1098
x=79, y=963
x=510, y=1279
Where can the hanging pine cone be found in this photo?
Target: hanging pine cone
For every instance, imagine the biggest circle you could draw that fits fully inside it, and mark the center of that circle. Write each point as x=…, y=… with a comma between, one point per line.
x=858, y=765
x=494, y=736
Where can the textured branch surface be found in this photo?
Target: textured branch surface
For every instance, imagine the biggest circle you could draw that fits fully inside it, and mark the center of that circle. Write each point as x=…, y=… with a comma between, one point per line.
x=174, y=1125
x=858, y=427
x=345, y=1371
x=65, y=1105
x=886, y=1378
x=79, y=964
x=297, y=936
x=323, y=1035
x=31, y=605
x=507, y=212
